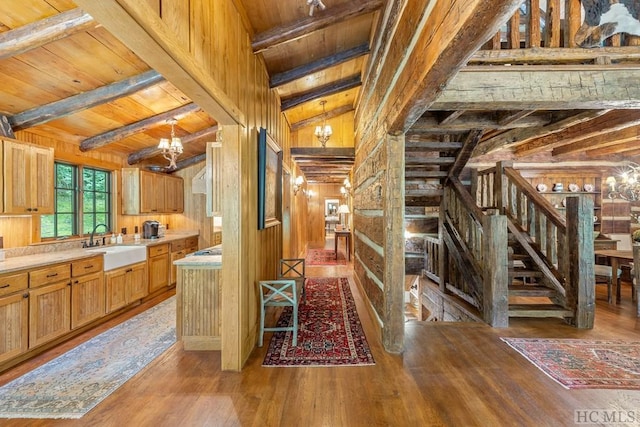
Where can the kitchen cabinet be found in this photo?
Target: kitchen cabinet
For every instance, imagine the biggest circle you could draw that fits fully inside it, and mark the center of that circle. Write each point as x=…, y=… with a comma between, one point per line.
x=178, y=251
x=14, y=315
x=148, y=192
x=125, y=285
x=174, y=194
x=191, y=244
x=49, y=303
x=87, y=291
x=28, y=178
x=158, y=260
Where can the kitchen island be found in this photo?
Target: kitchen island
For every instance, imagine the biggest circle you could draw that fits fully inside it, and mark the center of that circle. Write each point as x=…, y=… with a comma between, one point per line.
x=198, y=290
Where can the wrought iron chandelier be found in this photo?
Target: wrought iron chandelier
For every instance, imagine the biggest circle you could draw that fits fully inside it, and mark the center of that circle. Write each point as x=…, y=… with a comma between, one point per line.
x=627, y=185
x=324, y=132
x=171, y=148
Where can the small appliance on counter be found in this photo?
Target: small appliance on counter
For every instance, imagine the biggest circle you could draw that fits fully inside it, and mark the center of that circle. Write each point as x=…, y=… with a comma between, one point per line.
x=161, y=230
x=150, y=230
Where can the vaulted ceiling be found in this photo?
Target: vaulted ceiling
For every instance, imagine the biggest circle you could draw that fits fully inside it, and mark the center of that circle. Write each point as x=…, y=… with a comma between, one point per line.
x=66, y=77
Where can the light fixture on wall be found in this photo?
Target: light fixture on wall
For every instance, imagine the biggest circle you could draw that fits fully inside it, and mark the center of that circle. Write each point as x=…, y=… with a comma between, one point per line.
x=324, y=132
x=315, y=3
x=171, y=148
x=343, y=210
x=310, y=194
x=346, y=188
x=297, y=184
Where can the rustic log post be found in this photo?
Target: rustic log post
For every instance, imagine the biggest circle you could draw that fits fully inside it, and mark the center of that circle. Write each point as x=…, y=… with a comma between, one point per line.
x=500, y=186
x=394, y=263
x=496, y=271
x=473, y=189
x=443, y=252
x=636, y=275
x=579, y=252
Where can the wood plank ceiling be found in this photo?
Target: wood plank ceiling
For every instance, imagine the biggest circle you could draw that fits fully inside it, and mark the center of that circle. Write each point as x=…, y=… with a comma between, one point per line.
x=66, y=77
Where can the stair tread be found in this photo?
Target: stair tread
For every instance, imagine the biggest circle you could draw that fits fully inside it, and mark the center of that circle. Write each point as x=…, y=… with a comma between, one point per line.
x=523, y=272
x=538, y=310
x=531, y=290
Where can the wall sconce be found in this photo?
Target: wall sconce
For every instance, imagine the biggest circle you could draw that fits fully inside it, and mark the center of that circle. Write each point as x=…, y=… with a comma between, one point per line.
x=345, y=190
x=310, y=194
x=297, y=185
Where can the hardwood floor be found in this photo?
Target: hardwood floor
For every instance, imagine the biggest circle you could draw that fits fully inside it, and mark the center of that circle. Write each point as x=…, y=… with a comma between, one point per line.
x=449, y=375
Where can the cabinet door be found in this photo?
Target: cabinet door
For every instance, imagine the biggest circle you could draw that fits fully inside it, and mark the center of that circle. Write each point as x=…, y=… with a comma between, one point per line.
x=87, y=299
x=158, y=272
x=174, y=199
x=174, y=270
x=152, y=192
x=49, y=313
x=17, y=190
x=116, y=289
x=14, y=318
x=137, y=286
x=41, y=180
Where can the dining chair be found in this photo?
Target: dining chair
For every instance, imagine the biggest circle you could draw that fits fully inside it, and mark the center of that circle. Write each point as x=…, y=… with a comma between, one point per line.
x=606, y=272
x=633, y=283
x=278, y=293
x=294, y=268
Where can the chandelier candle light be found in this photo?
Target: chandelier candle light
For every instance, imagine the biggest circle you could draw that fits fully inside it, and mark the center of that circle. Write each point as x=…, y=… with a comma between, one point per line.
x=627, y=186
x=172, y=148
x=324, y=132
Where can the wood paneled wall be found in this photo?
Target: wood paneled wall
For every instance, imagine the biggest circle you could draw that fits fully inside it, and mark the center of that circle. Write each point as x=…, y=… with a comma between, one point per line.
x=315, y=219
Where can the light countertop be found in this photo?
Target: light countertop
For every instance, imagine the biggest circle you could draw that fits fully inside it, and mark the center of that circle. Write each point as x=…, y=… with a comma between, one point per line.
x=194, y=260
x=44, y=259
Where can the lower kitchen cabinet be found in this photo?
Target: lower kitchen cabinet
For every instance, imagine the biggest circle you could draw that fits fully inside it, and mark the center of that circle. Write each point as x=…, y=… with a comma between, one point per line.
x=159, y=273
x=49, y=312
x=87, y=291
x=14, y=316
x=125, y=285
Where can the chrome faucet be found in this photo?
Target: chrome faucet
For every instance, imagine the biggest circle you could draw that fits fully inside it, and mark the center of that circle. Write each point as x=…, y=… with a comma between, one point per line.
x=91, y=242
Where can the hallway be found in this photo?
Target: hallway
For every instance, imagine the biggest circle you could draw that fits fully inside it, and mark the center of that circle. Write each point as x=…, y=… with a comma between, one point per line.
x=449, y=375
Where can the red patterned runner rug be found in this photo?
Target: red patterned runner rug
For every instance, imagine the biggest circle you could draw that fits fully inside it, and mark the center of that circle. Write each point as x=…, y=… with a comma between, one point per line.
x=329, y=330
x=324, y=257
x=576, y=363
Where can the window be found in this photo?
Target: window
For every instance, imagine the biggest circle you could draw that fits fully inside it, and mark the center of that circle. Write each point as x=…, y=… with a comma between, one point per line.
x=82, y=200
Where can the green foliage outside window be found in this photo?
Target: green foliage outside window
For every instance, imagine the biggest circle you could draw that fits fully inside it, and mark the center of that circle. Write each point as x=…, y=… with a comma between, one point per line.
x=80, y=204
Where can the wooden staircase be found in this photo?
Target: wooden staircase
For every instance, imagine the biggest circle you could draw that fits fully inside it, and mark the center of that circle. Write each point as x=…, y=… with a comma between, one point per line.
x=531, y=292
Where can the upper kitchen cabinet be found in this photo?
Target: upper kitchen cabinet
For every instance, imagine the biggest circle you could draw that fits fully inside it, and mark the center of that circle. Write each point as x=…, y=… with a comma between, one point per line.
x=28, y=178
x=146, y=192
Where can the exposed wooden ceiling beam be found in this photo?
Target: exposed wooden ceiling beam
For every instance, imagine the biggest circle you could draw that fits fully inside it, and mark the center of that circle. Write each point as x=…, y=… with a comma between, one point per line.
x=319, y=65
x=39, y=33
x=519, y=136
x=475, y=120
x=463, y=156
x=5, y=127
x=182, y=164
x=612, y=121
x=542, y=88
x=553, y=55
x=82, y=101
x=600, y=141
x=507, y=117
x=326, y=90
x=146, y=153
x=316, y=119
x=450, y=117
x=323, y=19
x=323, y=152
x=105, y=138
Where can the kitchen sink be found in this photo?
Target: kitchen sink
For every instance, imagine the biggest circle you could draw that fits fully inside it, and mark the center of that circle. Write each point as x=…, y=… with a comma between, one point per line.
x=120, y=256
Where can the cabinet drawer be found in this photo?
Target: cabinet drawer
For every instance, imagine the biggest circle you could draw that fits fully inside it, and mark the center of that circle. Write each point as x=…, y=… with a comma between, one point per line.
x=191, y=243
x=158, y=250
x=177, y=245
x=11, y=283
x=48, y=275
x=86, y=266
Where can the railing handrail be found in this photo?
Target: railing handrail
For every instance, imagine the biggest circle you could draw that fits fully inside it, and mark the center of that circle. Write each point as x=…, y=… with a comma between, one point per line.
x=541, y=203
x=475, y=212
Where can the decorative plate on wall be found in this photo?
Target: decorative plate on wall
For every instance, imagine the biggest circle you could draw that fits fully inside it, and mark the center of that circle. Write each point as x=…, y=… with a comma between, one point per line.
x=588, y=187
x=541, y=188
x=573, y=188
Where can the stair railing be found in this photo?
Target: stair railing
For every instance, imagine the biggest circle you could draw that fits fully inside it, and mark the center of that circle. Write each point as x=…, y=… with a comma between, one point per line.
x=476, y=242
x=565, y=245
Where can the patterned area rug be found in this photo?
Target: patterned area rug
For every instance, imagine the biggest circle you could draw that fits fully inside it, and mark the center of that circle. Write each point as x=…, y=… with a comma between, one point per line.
x=329, y=331
x=578, y=363
x=75, y=382
x=324, y=257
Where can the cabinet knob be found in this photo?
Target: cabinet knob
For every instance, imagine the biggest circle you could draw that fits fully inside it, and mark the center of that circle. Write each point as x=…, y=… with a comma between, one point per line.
x=25, y=295
x=35, y=209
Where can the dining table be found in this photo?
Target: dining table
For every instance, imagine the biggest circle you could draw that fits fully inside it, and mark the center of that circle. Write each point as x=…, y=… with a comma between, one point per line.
x=616, y=258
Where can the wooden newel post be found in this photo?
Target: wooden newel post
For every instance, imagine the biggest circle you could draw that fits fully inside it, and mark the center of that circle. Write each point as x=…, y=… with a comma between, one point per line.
x=581, y=281
x=496, y=274
x=636, y=274
x=500, y=186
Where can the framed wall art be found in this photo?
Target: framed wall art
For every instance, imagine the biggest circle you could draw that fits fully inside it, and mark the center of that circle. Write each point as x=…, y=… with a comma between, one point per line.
x=269, y=181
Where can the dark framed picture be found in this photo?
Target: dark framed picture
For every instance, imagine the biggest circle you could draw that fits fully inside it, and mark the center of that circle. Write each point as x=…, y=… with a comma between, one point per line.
x=269, y=181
